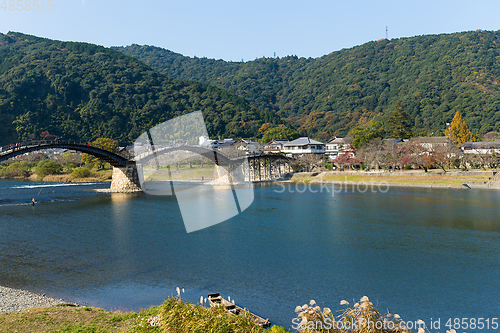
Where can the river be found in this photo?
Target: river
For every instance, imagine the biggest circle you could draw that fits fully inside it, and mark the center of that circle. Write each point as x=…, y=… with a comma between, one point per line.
x=421, y=253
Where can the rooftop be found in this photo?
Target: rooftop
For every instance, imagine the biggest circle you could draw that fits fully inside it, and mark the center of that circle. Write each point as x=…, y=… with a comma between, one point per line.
x=340, y=140
x=431, y=139
x=481, y=145
x=302, y=142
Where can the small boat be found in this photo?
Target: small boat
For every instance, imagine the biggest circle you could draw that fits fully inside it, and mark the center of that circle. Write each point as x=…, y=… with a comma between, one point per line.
x=216, y=299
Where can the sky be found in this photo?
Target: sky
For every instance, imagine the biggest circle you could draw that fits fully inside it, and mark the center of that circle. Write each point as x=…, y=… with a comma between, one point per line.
x=241, y=29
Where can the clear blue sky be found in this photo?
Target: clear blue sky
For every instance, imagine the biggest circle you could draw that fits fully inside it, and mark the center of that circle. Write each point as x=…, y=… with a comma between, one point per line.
x=235, y=30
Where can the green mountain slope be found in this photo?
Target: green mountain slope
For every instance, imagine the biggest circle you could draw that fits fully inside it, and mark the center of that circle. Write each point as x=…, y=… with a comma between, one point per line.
x=82, y=91
x=433, y=75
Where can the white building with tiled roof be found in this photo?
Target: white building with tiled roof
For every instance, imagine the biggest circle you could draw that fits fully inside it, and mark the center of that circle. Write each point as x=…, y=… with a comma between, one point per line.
x=303, y=145
x=274, y=146
x=336, y=146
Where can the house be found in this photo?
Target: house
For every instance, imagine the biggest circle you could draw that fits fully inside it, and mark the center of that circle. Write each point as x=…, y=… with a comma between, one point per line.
x=250, y=147
x=205, y=141
x=336, y=146
x=274, y=146
x=431, y=142
x=224, y=143
x=303, y=145
x=483, y=148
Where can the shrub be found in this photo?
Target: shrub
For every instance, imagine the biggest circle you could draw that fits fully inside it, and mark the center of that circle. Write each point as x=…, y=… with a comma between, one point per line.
x=47, y=167
x=178, y=317
x=18, y=169
x=407, y=167
x=81, y=173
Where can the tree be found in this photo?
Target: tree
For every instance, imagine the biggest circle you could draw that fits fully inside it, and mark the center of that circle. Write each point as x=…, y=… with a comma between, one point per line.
x=18, y=169
x=458, y=131
x=103, y=143
x=264, y=127
x=45, y=135
x=280, y=132
x=346, y=158
x=48, y=167
x=363, y=134
x=444, y=155
x=310, y=162
x=381, y=153
x=400, y=122
x=414, y=153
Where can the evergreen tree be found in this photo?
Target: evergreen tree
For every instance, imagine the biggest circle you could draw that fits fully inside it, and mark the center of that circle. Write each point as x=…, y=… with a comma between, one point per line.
x=458, y=131
x=400, y=122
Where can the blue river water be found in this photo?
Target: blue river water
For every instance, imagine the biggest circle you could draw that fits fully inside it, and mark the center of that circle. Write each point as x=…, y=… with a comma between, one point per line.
x=421, y=253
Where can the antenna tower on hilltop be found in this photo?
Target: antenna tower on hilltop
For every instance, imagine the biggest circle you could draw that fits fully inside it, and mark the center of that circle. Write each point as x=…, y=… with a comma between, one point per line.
x=386, y=33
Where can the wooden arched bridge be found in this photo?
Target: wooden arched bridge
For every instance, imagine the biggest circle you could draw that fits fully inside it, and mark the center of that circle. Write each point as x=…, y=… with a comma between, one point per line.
x=13, y=150
x=262, y=167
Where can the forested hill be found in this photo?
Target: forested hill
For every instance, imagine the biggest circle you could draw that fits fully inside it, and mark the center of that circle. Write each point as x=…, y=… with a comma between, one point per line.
x=433, y=75
x=82, y=91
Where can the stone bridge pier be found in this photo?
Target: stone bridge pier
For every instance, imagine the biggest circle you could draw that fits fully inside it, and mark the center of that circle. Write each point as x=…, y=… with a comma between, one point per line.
x=125, y=179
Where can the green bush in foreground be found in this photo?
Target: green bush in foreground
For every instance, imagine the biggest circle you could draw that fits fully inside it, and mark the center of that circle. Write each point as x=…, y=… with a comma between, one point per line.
x=177, y=316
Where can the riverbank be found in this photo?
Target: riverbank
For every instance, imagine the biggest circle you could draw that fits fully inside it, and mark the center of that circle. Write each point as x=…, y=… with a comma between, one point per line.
x=174, y=315
x=12, y=300
x=66, y=317
x=102, y=177
x=67, y=178
x=410, y=178
x=177, y=316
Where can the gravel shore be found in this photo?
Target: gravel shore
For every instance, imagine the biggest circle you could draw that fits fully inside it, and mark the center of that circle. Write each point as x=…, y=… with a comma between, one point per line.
x=12, y=300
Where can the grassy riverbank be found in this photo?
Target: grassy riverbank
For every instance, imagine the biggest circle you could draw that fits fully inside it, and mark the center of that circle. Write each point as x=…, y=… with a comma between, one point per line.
x=172, y=316
x=177, y=316
x=76, y=319
x=406, y=178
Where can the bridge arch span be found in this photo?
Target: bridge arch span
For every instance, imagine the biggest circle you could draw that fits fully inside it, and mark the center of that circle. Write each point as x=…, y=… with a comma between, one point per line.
x=114, y=159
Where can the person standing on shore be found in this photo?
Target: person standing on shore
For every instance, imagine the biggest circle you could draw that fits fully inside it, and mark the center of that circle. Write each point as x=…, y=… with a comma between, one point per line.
x=33, y=201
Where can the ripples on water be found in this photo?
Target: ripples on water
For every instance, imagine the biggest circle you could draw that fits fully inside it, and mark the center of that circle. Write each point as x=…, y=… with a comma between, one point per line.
x=417, y=252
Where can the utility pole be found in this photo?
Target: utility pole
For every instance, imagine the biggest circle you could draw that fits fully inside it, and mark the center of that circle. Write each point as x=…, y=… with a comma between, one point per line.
x=386, y=33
